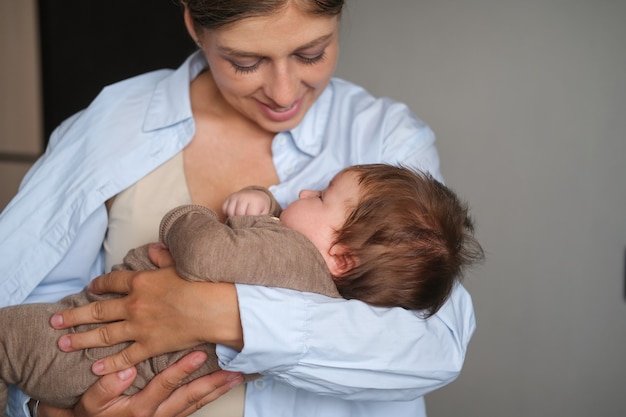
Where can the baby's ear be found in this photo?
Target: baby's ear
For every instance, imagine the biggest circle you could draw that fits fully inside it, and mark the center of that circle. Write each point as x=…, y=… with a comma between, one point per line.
x=342, y=260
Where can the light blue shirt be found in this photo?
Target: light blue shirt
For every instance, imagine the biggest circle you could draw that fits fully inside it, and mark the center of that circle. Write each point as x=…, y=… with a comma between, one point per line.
x=320, y=356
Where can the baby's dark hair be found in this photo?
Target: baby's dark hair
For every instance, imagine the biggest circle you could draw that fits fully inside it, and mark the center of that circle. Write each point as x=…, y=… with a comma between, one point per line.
x=412, y=238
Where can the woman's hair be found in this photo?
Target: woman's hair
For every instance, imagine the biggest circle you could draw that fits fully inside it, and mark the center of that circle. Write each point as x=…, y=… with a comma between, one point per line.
x=412, y=239
x=214, y=14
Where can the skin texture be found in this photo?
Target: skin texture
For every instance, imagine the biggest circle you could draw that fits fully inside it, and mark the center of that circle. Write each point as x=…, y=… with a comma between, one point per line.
x=273, y=80
x=318, y=214
x=257, y=86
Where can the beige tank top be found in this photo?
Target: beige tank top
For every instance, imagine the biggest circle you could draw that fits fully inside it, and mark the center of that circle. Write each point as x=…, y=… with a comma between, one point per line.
x=134, y=219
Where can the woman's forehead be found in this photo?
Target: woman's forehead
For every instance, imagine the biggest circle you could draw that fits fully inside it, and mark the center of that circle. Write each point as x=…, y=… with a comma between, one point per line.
x=288, y=29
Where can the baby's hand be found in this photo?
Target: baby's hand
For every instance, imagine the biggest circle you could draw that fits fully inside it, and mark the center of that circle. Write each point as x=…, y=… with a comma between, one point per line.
x=247, y=202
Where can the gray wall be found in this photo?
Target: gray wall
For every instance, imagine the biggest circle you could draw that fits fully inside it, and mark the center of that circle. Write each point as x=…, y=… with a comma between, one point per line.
x=20, y=104
x=528, y=100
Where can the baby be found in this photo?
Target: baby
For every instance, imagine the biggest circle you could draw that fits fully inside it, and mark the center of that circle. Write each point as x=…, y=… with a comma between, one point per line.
x=381, y=234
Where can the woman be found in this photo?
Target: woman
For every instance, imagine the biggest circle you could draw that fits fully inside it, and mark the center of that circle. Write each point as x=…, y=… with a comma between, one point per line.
x=255, y=105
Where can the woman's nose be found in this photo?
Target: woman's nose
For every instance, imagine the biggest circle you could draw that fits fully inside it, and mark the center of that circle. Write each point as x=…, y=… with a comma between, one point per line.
x=282, y=88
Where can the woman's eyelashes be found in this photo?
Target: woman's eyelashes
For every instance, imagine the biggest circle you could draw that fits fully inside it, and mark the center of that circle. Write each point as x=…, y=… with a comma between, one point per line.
x=244, y=69
x=311, y=60
x=305, y=59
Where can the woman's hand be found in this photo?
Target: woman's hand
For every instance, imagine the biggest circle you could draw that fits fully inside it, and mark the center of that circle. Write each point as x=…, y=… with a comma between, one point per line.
x=160, y=313
x=162, y=397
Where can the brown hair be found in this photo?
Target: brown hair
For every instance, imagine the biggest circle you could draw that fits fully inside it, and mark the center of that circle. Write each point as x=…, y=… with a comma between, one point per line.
x=412, y=238
x=213, y=14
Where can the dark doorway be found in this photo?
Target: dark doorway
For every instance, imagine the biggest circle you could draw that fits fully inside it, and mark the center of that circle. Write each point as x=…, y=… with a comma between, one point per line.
x=87, y=45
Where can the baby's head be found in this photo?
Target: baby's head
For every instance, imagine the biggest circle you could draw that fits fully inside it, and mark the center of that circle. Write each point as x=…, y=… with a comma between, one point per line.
x=412, y=238
x=394, y=237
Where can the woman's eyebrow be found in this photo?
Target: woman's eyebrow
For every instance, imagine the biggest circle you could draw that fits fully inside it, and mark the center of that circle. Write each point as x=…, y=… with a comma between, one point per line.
x=315, y=42
x=232, y=51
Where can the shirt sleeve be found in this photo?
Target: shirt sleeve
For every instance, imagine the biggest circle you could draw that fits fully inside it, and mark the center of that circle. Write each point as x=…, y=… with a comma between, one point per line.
x=348, y=348
x=81, y=262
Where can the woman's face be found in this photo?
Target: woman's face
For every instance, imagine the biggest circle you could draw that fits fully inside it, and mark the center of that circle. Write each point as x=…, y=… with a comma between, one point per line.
x=272, y=68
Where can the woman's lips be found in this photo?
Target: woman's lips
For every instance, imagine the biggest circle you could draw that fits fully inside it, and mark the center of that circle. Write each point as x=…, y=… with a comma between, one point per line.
x=278, y=114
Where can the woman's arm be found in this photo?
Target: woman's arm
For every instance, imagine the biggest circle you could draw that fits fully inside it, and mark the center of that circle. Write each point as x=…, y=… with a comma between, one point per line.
x=348, y=348
x=323, y=345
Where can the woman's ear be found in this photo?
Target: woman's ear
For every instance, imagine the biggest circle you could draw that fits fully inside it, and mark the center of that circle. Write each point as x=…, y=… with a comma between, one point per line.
x=342, y=260
x=191, y=28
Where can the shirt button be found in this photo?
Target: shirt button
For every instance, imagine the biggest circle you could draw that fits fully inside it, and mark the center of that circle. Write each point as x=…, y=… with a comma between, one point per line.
x=259, y=384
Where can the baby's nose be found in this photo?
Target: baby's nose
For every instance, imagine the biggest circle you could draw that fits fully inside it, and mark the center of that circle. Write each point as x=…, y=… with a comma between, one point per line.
x=307, y=194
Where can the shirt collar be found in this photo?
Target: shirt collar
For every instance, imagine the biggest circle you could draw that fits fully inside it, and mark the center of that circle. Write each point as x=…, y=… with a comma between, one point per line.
x=170, y=103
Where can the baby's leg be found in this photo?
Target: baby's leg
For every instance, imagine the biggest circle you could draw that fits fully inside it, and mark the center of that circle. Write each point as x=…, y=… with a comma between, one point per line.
x=30, y=359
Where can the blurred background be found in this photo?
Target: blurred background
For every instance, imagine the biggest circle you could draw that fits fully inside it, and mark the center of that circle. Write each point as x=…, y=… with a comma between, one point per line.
x=528, y=101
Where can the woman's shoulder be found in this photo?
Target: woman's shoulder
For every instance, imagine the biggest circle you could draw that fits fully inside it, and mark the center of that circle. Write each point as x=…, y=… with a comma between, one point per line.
x=130, y=87
x=345, y=90
x=355, y=106
x=116, y=116
x=170, y=83
x=356, y=98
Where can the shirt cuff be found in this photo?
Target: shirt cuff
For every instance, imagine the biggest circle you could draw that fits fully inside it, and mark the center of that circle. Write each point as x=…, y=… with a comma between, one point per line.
x=270, y=345
x=18, y=403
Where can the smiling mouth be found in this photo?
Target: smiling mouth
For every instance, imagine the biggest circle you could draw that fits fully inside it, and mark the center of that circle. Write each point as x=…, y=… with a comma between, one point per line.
x=281, y=114
x=282, y=109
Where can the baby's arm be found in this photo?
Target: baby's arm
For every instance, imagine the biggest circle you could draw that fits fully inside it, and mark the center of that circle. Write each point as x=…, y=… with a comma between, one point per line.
x=255, y=250
x=251, y=201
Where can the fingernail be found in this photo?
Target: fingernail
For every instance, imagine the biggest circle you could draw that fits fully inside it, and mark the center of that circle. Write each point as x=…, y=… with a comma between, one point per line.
x=124, y=374
x=237, y=381
x=98, y=367
x=232, y=376
x=56, y=320
x=65, y=343
x=198, y=359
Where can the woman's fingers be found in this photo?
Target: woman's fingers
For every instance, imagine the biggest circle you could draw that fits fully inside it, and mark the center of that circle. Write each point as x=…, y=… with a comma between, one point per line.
x=176, y=400
x=129, y=356
x=164, y=396
x=118, y=282
x=105, y=399
x=97, y=312
x=190, y=397
x=106, y=335
x=162, y=390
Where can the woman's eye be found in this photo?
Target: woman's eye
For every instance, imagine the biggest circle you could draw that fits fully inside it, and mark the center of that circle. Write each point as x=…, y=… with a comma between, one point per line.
x=310, y=60
x=244, y=69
